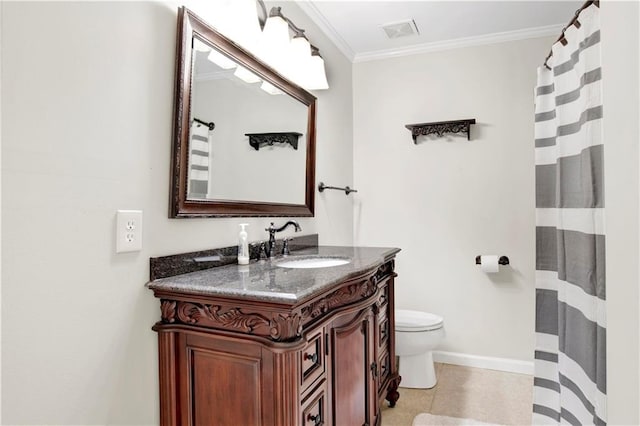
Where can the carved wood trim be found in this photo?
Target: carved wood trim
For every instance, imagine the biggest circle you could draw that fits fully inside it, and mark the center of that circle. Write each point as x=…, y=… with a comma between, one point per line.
x=280, y=327
x=286, y=327
x=192, y=313
x=341, y=297
x=168, y=310
x=385, y=270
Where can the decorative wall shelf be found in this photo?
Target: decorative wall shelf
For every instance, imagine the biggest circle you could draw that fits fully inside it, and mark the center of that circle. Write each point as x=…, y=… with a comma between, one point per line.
x=256, y=140
x=440, y=128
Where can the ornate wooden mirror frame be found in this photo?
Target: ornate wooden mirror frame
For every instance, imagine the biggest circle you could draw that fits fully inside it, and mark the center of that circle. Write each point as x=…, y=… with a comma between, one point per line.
x=190, y=25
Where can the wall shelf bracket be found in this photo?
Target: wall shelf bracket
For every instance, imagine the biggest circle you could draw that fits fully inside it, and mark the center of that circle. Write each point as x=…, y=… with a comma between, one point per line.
x=440, y=128
x=256, y=140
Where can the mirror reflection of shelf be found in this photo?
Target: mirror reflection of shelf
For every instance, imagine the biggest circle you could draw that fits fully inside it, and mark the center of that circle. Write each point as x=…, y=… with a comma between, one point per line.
x=256, y=140
x=440, y=128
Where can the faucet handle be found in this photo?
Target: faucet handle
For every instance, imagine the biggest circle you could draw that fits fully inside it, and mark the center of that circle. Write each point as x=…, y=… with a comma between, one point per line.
x=262, y=249
x=285, y=246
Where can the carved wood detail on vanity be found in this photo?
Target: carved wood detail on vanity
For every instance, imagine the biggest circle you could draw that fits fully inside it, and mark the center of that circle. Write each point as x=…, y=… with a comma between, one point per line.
x=212, y=316
x=280, y=327
x=168, y=310
x=341, y=297
x=385, y=270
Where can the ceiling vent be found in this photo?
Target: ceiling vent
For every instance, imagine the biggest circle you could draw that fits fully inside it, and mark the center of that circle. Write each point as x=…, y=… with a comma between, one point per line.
x=400, y=29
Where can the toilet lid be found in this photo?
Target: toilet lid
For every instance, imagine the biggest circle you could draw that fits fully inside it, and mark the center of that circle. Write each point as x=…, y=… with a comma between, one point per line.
x=416, y=320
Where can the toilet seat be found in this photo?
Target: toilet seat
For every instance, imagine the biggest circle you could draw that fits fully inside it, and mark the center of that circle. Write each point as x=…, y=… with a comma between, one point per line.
x=412, y=321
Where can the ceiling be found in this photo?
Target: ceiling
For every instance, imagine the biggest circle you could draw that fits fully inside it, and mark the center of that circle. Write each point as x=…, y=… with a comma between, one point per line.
x=356, y=26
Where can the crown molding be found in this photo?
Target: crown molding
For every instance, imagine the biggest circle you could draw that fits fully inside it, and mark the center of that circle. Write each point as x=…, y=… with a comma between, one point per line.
x=319, y=19
x=501, y=37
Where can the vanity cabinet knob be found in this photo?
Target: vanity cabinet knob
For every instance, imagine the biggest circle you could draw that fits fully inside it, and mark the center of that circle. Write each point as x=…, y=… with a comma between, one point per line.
x=313, y=357
x=315, y=419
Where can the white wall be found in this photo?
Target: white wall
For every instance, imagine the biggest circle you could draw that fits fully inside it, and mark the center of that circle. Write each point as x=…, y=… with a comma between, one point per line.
x=620, y=73
x=446, y=200
x=87, y=118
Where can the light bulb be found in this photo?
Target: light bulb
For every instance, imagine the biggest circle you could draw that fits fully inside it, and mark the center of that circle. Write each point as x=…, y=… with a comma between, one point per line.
x=275, y=42
x=317, y=76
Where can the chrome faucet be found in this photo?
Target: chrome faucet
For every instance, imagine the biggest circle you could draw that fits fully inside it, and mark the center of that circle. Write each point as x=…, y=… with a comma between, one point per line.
x=271, y=245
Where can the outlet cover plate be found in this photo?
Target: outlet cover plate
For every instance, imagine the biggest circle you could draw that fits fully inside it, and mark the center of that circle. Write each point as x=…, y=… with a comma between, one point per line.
x=128, y=231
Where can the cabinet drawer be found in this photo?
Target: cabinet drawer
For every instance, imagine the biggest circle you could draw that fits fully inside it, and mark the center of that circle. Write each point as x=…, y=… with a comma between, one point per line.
x=312, y=360
x=384, y=365
x=315, y=408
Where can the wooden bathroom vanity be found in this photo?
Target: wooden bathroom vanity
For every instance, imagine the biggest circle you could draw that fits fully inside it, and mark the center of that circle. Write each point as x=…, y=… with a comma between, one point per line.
x=270, y=345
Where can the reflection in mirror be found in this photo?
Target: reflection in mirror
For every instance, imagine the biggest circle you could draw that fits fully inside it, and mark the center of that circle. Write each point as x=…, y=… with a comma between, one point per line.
x=225, y=164
x=244, y=139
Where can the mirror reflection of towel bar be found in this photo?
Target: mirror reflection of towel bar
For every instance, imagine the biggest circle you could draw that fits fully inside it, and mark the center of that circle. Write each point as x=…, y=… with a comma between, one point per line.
x=346, y=189
x=210, y=125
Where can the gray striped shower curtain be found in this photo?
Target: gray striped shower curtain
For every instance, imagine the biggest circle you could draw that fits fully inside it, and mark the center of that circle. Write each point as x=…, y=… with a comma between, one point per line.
x=570, y=352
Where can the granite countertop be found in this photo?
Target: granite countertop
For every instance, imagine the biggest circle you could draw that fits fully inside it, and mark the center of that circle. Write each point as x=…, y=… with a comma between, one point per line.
x=265, y=281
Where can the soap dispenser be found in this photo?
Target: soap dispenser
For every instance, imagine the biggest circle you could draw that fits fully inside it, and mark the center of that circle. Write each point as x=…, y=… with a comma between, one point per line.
x=243, y=246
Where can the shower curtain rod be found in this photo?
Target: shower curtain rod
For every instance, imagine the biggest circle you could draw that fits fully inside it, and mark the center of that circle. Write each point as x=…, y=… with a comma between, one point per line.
x=575, y=22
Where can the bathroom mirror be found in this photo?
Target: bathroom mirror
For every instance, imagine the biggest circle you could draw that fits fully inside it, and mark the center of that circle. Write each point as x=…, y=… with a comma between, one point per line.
x=244, y=136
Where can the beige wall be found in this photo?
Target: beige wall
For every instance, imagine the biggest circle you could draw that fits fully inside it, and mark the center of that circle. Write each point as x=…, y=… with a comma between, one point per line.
x=87, y=120
x=620, y=75
x=444, y=201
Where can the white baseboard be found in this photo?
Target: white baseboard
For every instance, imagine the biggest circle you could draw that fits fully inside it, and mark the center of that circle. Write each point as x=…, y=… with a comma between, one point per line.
x=490, y=363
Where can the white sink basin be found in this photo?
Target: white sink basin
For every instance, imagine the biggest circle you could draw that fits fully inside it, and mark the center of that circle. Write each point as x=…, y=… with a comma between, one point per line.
x=313, y=262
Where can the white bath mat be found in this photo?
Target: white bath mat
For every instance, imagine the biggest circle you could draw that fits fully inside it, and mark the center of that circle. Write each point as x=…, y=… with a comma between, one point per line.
x=426, y=419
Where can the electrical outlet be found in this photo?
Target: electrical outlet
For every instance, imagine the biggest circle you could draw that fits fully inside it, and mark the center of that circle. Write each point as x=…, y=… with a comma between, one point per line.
x=128, y=231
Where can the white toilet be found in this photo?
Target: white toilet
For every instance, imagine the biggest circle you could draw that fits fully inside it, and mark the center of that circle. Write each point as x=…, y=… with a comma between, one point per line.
x=417, y=334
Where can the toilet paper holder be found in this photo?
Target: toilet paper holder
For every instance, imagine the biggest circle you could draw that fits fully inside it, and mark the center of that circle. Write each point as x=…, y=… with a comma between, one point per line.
x=503, y=260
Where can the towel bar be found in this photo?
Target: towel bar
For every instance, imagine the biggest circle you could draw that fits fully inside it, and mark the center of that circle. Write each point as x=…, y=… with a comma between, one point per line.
x=346, y=189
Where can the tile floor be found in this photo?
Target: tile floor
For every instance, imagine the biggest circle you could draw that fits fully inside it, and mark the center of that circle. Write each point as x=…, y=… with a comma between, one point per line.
x=485, y=395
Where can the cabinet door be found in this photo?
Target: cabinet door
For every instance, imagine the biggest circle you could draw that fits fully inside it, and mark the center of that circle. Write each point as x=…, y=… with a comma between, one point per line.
x=353, y=369
x=228, y=383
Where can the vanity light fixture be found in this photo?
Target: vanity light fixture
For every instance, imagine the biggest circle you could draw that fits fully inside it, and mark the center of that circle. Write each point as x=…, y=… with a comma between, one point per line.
x=296, y=58
x=273, y=38
x=317, y=74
